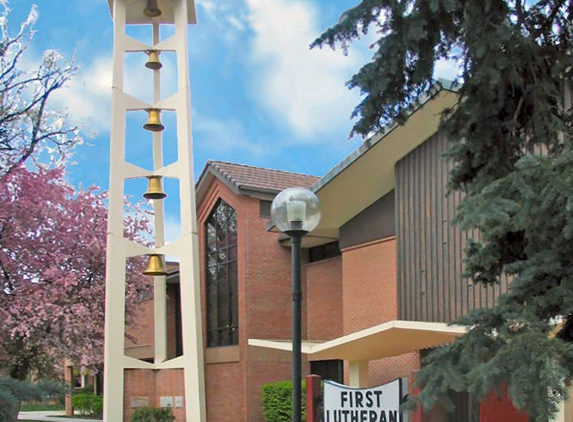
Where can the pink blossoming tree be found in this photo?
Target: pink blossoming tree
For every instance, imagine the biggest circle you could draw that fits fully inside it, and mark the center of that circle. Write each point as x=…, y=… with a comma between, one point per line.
x=52, y=236
x=52, y=271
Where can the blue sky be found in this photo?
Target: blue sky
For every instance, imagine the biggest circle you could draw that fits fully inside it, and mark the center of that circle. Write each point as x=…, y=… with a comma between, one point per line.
x=259, y=95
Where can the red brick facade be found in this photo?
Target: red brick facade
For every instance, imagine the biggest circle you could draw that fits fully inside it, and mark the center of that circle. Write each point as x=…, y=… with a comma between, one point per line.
x=341, y=295
x=369, y=298
x=140, y=339
x=149, y=386
x=324, y=299
x=369, y=288
x=234, y=377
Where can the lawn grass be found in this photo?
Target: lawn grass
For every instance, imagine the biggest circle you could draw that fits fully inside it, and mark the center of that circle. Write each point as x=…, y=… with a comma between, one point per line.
x=28, y=420
x=41, y=407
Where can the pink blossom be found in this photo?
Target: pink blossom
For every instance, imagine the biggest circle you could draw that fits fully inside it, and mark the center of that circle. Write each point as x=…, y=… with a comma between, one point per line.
x=52, y=270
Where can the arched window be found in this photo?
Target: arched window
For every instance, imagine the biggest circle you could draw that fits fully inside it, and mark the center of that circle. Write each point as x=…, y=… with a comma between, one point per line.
x=222, y=280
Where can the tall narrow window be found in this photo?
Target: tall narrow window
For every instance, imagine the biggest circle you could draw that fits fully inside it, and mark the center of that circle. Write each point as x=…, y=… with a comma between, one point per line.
x=222, y=280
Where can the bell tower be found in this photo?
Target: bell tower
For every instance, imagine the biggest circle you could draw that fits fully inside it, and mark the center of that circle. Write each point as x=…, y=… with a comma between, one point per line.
x=186, y=369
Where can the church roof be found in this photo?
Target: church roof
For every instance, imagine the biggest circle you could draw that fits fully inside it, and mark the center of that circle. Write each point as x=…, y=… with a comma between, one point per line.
x=249, y=180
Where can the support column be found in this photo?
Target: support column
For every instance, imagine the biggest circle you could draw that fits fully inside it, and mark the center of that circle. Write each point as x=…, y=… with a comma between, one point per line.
x=69, y=378
x=358, y=376
x=187, y=248
x=159, y=282
x=115, y=257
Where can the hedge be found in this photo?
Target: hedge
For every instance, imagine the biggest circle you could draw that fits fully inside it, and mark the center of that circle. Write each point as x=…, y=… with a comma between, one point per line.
x=88, y=404
x=277, y=401
x=152, y=414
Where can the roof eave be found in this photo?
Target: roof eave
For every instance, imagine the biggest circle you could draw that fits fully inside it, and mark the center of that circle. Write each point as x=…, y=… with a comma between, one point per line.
x=360, y=179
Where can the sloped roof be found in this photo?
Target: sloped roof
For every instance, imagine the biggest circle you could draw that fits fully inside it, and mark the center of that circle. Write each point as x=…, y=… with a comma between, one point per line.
x=367, y=174
x=250, y=180
x=171, y=267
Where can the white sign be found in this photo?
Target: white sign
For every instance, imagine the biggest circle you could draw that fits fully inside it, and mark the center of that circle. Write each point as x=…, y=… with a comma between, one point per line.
x=376, y=404
x=165, y=401
x=139, y=402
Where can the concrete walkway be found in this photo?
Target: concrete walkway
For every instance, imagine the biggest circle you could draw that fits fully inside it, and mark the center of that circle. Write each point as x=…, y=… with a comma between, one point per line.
x=51, y=416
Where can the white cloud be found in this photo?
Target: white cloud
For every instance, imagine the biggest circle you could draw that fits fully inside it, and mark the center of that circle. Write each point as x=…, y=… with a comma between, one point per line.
x=303, y=89
x=209, y=6
x=172, y=232
x=224, y=20
x=172, y=228
x=87, y=96
x=236, y=23
x=224, y=136
x=446, y=69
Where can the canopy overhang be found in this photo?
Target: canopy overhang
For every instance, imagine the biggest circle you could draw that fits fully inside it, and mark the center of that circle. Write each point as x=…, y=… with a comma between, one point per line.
x=391, y=338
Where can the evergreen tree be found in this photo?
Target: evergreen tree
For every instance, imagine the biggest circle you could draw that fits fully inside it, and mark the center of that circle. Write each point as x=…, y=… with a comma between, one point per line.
x=13, y=392
x=511, y=143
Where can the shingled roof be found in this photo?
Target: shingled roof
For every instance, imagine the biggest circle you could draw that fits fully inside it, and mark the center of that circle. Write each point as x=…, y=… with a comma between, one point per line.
x=244, y=179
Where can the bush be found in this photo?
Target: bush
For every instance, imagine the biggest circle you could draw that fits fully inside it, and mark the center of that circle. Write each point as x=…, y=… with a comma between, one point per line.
x=152, y=414
x=88, y=404
x=277, y=401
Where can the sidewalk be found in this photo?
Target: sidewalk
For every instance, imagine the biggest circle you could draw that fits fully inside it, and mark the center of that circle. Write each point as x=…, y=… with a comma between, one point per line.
x=52, y=416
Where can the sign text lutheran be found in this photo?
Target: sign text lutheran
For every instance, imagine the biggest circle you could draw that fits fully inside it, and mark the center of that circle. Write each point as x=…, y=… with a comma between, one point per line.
x=376, y=404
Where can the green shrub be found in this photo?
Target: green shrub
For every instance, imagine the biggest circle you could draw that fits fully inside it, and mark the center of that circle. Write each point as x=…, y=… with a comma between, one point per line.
x=13, y=392
x=277, y=401
x=88, y=404
x=152, y=414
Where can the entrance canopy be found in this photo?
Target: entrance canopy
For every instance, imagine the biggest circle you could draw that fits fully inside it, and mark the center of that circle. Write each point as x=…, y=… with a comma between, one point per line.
x=391, y=338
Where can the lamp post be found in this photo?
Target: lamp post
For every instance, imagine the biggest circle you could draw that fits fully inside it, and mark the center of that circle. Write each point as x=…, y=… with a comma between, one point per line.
x=296, y=212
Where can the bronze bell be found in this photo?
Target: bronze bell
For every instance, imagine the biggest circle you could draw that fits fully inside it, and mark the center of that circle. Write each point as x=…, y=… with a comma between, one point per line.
x=154, y=121
x=152, y=10
x=153, y=61
x=154, y=189
x=155, y=265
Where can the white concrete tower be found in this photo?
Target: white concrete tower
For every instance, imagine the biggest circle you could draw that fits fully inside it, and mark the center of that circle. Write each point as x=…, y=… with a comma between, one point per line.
x=179, y=13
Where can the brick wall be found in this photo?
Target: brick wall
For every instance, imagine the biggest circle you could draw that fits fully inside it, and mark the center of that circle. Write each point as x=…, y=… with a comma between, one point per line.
x=234, y=383
x=224, y=371
x=139, y=384
x=172, y=323
x=369, y=298
x=140, y=336
x=268, y=280
x=268, y=284
x=260, y=373
x=225, y=391
x=148, y=386
x=324, y=299
x=170, y=383
x=369, y=289
x=340, y=296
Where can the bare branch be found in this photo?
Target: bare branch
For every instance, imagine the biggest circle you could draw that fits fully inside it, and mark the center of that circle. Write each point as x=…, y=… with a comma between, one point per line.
x=28, y=124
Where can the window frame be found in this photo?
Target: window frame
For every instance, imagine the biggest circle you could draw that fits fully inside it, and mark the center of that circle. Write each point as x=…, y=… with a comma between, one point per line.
x=221, y=276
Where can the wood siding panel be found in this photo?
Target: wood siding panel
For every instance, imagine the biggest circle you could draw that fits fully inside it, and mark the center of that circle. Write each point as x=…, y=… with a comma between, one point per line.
x=430, y=247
